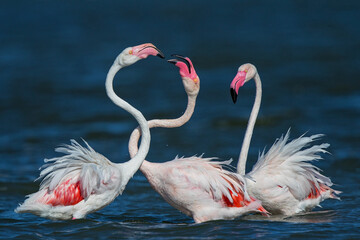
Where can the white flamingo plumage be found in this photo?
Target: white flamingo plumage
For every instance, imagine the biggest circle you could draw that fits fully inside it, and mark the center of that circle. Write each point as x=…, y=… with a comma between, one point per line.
x=201, y=188
x=283, y=179
x=82, y=180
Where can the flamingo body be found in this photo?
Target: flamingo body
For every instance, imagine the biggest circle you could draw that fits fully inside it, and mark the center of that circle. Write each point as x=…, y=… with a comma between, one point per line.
x=201, y=188
x=83, y=181
x=76, y=184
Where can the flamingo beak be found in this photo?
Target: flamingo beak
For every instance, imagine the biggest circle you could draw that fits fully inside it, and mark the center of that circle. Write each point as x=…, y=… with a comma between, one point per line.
x=160, y=54
x=236, y=83
x=183, y=59
x=185, y=66
x=144, y=50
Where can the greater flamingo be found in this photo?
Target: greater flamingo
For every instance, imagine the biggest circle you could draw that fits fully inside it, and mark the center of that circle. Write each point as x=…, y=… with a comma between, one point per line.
x=199, y=187
x=283, y=179
x=83, y=181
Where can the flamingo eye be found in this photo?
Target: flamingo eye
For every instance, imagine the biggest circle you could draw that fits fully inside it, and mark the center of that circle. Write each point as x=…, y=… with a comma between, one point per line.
x=131, y=52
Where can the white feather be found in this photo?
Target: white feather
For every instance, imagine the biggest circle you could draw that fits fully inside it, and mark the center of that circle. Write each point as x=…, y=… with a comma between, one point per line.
x=98, y=178
x=196, y=186
x=287, y=168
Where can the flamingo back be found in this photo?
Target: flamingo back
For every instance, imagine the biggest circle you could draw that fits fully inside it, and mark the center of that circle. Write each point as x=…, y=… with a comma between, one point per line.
x=211, y=176
x=80, y=165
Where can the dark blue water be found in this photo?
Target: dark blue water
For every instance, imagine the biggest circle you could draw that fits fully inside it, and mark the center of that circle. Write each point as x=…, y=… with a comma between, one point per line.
x=54, y=57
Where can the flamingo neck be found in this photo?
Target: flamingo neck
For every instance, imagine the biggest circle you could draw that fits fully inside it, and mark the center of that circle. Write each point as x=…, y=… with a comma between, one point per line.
x=164, y=123
x=135, y=162
x=250, y=127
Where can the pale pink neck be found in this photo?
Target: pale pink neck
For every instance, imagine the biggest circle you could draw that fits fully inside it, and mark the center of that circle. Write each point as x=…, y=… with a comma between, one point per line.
x=163, y=123
x=250, y=127
x=135, y=162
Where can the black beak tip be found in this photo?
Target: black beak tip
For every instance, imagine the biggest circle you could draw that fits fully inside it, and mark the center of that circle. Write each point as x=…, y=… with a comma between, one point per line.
x=233, y=95
x=160, y=55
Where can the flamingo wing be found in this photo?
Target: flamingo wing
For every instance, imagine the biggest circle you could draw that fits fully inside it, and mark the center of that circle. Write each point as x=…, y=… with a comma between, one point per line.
x=287, y=165
x=208, y=175
x=204, y=189
x=73, y=177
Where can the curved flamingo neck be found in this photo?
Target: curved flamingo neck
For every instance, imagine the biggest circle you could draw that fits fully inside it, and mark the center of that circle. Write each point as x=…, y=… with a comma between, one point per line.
x=164, y=123
x=250, y=127
x=135, y=162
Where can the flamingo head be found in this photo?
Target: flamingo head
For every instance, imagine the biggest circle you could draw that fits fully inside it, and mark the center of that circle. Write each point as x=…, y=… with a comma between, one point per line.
x=131, y=55
x=188, y=74
x=245, y=72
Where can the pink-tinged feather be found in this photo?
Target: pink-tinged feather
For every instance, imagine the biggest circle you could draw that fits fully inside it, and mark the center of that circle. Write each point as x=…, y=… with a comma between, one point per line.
x=65, y=194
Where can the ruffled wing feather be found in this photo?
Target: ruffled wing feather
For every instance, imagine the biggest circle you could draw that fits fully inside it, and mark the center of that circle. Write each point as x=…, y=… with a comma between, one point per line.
x=289, y=165
x=80, y=164
x=210, y=175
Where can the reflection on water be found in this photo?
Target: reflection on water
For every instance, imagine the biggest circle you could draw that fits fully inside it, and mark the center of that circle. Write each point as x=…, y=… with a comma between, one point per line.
x=310, y=217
